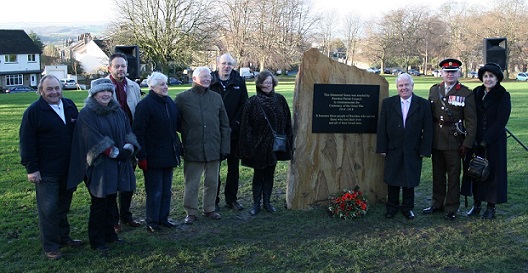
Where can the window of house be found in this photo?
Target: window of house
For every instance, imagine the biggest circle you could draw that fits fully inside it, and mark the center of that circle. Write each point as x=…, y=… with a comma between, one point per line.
x=32, y=58
x=14, y=80
x=10, y=58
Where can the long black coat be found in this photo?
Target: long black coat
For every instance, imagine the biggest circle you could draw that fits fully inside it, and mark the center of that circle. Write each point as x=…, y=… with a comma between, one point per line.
x=404, y=147
x=493, y=114
x=256, y=137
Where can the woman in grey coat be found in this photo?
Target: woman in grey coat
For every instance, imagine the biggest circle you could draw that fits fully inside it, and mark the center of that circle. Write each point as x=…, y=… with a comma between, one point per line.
x=102, y=146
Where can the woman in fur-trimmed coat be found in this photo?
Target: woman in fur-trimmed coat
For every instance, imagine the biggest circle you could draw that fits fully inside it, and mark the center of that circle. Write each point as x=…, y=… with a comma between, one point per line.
x=102, y=147
x=256, y=137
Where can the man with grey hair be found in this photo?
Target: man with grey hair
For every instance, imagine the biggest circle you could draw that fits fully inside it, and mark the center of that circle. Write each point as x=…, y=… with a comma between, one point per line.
x=405, y=136
x=205, y=138
x=232, y=87
x=45, y=141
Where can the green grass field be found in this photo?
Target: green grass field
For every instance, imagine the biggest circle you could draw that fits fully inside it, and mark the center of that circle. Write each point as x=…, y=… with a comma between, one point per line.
x=287, y=241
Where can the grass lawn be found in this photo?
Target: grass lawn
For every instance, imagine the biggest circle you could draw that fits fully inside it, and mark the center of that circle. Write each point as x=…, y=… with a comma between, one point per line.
x=287, y=241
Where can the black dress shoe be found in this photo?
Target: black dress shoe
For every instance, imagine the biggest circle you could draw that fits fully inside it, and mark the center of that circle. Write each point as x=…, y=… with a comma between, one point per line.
x=389, y=214
x=255, y=210
x=153, y=229
x=409, y=214
x=72, y=243
x=102, y=250
x=269, y=208
x=489, y=213
x=117, y=241
x=450, y=215
x=133, y=223
x=235, y=205
x=474, y=211
x=431, y=210
x=169, y=224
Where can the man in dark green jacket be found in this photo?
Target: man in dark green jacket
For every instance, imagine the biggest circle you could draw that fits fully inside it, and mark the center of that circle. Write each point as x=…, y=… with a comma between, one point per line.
x=205, y=136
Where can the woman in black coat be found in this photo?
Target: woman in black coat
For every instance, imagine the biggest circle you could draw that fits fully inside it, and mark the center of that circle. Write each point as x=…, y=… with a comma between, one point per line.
x=493, y=111
x=262, y=112
x=155, y=124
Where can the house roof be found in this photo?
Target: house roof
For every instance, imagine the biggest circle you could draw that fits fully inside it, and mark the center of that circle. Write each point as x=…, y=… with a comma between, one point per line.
x=16, y=41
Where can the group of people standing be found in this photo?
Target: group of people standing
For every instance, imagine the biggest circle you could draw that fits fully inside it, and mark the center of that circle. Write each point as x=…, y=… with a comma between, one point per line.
x=453, y=125
x=117, y=131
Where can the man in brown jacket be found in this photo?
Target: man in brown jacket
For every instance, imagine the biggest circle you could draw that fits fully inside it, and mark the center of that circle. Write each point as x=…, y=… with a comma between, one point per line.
x=453, y=106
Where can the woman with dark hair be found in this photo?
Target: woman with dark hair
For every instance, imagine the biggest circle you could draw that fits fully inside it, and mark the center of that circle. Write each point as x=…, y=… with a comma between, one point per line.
x=493, y=111
x=265, y=114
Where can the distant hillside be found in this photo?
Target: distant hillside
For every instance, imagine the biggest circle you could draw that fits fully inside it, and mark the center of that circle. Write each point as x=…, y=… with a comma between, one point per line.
x=56, y=33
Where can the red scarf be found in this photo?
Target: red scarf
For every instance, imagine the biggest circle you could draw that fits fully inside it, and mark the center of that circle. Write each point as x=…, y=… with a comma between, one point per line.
x=122, y=97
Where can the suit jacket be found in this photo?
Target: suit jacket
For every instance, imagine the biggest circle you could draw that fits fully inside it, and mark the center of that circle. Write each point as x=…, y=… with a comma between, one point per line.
x=460, y=102
x=404, y=146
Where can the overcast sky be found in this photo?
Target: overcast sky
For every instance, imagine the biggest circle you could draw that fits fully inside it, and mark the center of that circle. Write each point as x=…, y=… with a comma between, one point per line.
x=99, y=11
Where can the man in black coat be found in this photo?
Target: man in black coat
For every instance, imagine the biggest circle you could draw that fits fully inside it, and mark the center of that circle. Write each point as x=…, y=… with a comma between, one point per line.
x=232, y=87
x=45, y=142
x=405, y=136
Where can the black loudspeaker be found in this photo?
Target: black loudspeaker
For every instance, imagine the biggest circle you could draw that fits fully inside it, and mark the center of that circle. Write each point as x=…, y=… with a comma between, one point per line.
x=133, y=64
x=495, y=51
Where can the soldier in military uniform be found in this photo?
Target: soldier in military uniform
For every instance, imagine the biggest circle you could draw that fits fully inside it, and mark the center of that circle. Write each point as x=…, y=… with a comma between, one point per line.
x=453, y=107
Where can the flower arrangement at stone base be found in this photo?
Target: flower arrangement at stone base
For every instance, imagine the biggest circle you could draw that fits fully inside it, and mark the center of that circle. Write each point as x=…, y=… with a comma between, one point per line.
x=349, y=204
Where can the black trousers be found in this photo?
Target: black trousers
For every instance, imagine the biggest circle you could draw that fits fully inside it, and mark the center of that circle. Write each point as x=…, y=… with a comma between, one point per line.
x=393, y=198
x=123, y=212
x=101, y=221
x=232, y=178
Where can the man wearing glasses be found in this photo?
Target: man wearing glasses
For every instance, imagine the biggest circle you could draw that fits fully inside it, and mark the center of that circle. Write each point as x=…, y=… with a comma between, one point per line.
x=232, y=87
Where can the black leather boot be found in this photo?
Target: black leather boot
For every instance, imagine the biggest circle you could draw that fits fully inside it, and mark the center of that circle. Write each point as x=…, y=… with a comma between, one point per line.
x=475, y=210
x=266, y=195
x=489, y=213
x=257, y=193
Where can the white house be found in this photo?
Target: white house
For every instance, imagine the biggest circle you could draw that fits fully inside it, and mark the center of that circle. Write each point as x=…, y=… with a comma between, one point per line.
x=19, y=59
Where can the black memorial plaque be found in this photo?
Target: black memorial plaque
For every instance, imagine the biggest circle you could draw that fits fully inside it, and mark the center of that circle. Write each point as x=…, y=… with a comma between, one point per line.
x=345, y=108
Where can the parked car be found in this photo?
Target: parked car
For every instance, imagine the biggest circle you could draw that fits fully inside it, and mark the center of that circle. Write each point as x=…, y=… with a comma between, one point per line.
x=472, y=74
x=69, y=84
x=437, y=73
x=19, y=89
x=396, y=71
x=414, y=72
x=174, y=81
x=523, y=76
x=143, y=83
x=374, y=70
x=386, y=70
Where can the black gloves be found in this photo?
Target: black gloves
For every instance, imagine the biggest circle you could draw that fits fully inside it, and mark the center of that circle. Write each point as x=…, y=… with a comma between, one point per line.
x=124, y=154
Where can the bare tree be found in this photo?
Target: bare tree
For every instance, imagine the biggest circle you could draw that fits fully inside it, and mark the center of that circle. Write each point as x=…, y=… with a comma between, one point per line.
x=167, y=31
x=352, y=28
x=235, y=27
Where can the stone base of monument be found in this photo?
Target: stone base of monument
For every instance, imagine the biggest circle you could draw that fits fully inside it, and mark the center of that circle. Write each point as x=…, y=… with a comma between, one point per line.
x=336, y=108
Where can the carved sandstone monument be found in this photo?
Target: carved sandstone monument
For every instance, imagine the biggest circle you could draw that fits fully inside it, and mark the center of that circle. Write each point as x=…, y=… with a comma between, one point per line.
x=334, y=140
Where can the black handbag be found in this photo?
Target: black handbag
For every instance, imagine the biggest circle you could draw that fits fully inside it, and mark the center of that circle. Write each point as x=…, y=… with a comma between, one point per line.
x=478, y=168
x=279, y=143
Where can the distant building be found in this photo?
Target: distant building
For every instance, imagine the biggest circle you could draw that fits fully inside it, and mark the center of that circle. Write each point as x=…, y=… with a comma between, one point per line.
x=91, y=53
x=19, y=59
